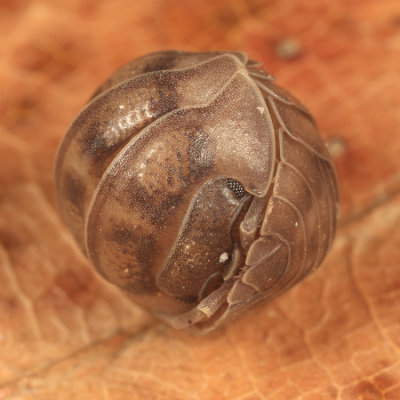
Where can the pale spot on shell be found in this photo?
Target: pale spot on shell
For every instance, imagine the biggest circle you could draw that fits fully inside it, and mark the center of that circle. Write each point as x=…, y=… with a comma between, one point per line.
x=223, y=257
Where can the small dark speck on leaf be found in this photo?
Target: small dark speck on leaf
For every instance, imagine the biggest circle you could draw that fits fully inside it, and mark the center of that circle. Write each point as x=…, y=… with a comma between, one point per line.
x=396, y=21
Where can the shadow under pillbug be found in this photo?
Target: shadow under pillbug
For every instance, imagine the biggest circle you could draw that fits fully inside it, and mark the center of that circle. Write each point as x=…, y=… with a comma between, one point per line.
x=197, y=185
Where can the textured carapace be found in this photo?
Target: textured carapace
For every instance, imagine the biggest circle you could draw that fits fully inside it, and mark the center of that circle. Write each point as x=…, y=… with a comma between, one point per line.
x=197, y=185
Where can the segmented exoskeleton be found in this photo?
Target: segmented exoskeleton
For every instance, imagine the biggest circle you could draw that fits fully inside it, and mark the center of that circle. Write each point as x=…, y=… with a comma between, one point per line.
x=197, y=185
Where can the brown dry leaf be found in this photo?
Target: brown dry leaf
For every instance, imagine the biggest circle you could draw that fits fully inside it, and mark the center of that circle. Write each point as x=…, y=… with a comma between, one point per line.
x=66, y=334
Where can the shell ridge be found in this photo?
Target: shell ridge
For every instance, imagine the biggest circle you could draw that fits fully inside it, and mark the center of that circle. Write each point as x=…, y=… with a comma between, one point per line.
x=287, y=131
x=303, y=227
x=316, y=205
x=331, y=195
x=270, y=92
x=267, y=115
x=247, y=272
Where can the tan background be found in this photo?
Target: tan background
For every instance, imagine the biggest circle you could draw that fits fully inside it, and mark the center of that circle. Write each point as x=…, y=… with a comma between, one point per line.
x=66, y=334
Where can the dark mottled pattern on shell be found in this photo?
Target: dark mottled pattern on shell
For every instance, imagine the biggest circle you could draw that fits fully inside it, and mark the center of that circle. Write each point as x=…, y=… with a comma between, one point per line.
x=197, y=185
